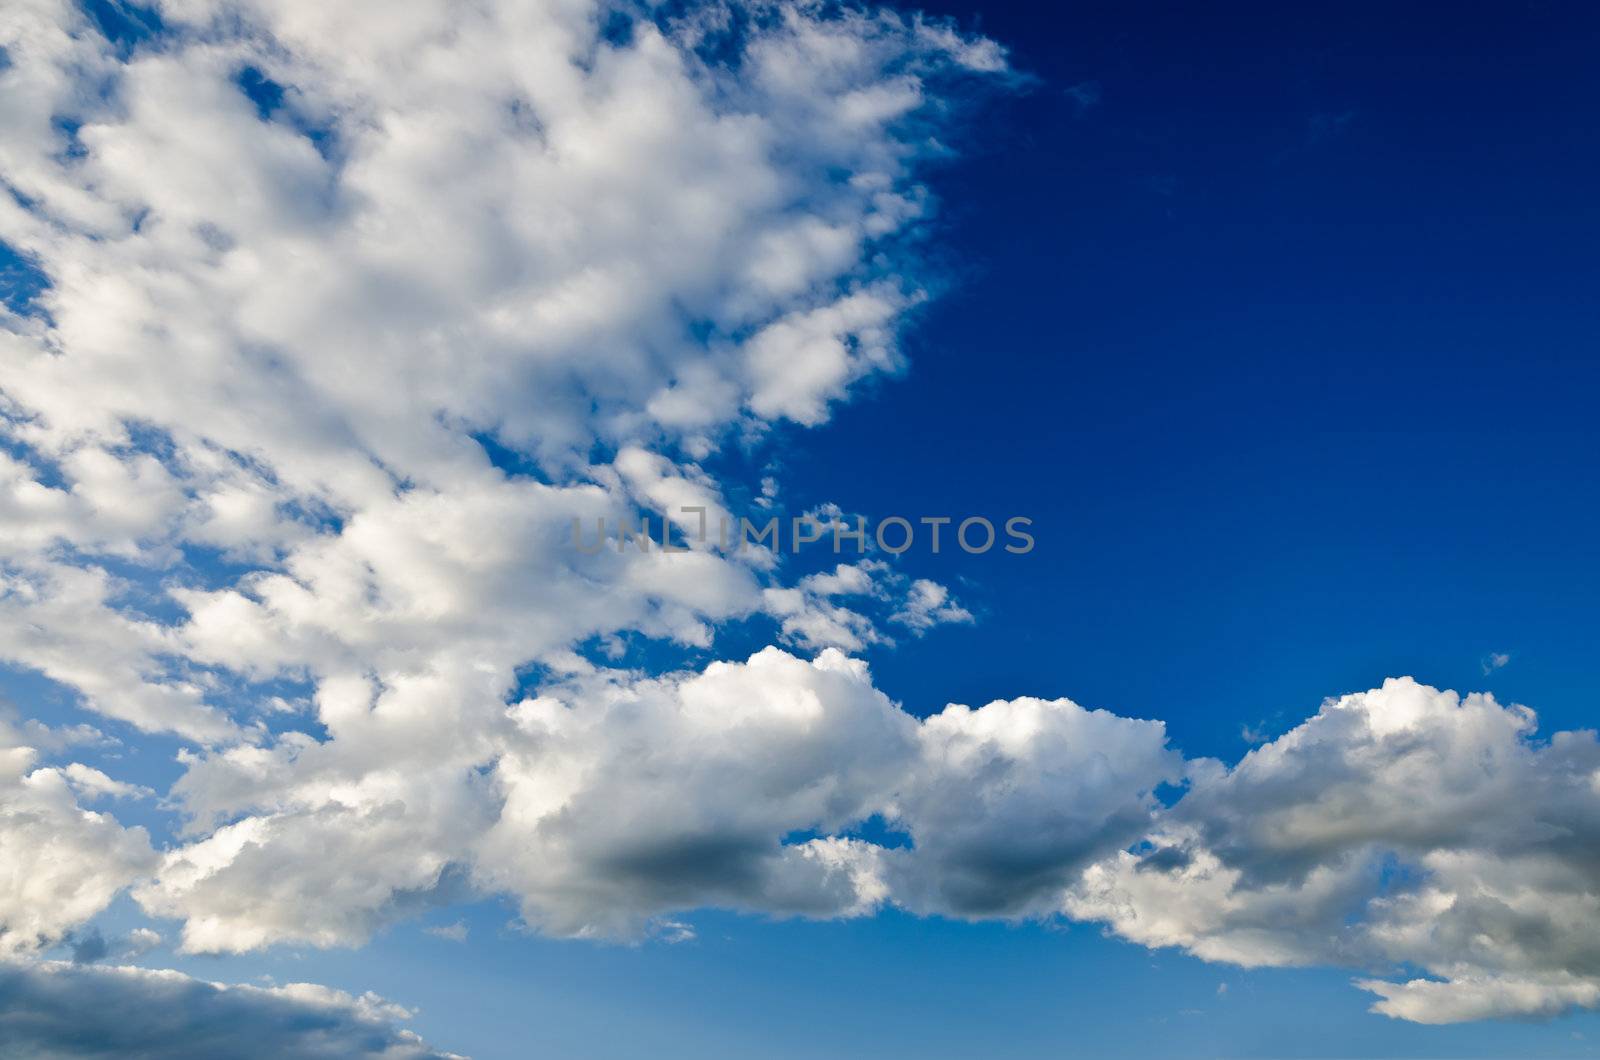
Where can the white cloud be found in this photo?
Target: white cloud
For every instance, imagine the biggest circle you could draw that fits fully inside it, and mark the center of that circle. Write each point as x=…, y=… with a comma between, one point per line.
x=63, y=863
x=1009, y=802
x=810, y=618
x=52, y=1009
x=1402, y=826
x=327, y=862
x=282, y=334
x=737, y=787
x=928, y=604
x=65, y=622
x=633, y=800
x=455, y=931
x=1473, y=998
x=800, y=363
x=616, y=800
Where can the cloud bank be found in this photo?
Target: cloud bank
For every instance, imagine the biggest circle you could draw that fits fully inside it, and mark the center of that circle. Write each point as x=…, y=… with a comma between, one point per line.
x=51, y=1009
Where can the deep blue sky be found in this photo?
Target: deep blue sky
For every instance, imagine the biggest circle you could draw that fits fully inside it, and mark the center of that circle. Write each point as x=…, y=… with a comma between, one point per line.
x=1287, y=344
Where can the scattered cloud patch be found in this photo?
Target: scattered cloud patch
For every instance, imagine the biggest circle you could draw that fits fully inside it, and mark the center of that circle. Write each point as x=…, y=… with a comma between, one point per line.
x=928, y=604
x=454, y=932
x=1084, y=96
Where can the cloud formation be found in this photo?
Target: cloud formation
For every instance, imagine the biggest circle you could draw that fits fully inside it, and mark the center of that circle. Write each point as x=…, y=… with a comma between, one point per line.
x=51, y=1009
x=1400, y=827
x=614, y=800
x=62, y=862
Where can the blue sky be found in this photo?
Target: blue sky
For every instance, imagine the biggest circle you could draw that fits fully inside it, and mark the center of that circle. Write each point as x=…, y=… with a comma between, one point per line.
x=1277, y=323
x=1298, y=405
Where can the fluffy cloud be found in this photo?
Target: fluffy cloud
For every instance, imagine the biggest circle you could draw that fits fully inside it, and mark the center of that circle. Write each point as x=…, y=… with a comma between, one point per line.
x=614, y=800
x=810, y=617
x=928, y=604
x=1400, y=827
x=51, y=1009
x=347, y=317
x=518, y=226
x=1009, y=802
x=305, y=270
x=630, y=800
x=323, y=873
x=61, y=863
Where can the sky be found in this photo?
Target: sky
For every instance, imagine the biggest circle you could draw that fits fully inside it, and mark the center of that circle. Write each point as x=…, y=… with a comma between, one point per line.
x=321, y=735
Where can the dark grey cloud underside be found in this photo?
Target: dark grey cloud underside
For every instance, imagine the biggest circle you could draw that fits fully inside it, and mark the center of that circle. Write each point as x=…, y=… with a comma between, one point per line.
x=61, y=1011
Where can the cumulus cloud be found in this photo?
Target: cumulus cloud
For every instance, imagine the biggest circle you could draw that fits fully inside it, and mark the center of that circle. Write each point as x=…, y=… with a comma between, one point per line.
x=654, y=796
x=613, y=800
x=345, y=317
x=739, y=787
x=368, y=251
x=1009, y=802
x=51, y=1009
x=1403, y=827
x=62, y=863
x=1400, y=827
